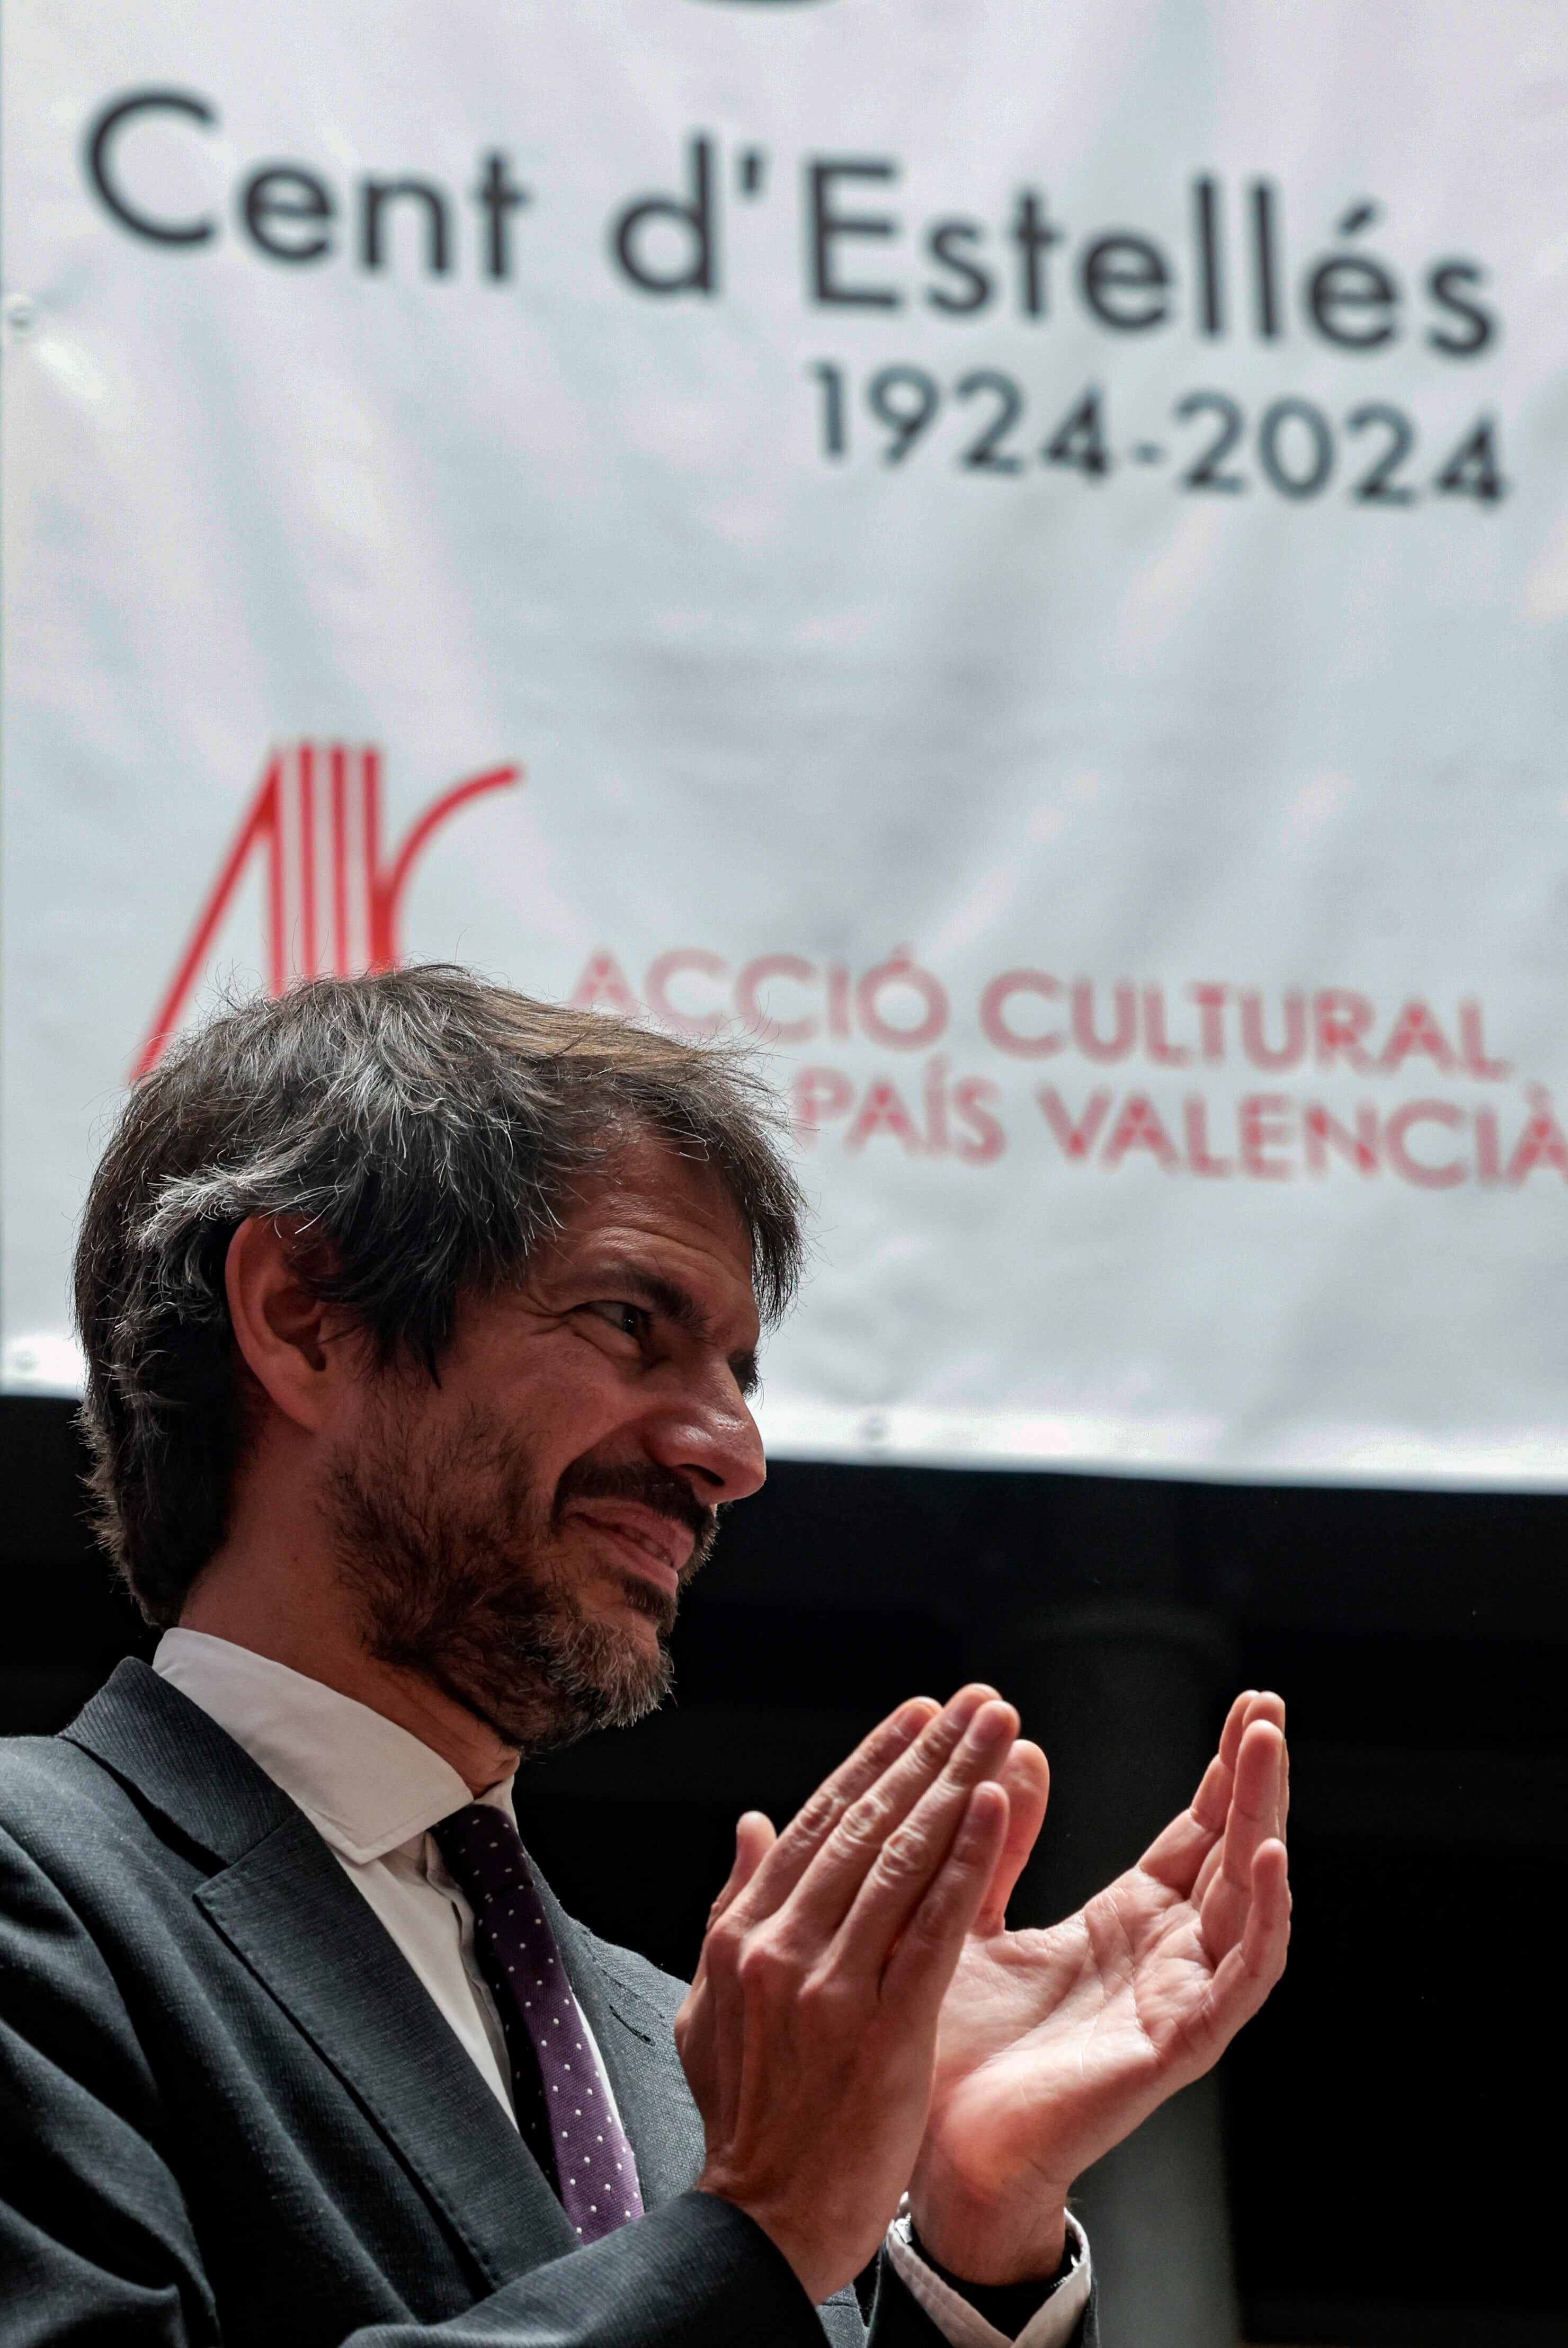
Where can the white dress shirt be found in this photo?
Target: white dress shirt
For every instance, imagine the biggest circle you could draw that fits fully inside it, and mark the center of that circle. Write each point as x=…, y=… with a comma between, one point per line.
x=373, y=1791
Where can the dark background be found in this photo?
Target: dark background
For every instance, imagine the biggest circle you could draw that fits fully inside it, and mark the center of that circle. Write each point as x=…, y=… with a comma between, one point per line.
x=1393, y=2120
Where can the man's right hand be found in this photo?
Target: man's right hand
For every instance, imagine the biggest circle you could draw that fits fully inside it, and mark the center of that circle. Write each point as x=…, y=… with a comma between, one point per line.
x=809, y=2034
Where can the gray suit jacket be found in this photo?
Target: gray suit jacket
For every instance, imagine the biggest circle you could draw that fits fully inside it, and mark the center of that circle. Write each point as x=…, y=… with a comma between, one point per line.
x=230, y=2113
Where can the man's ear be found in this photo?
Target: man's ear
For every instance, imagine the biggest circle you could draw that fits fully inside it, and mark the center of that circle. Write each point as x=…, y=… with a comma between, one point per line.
x=290, y=1341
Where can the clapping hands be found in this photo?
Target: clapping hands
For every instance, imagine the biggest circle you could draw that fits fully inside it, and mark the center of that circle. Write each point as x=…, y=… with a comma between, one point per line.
x=863, y=2021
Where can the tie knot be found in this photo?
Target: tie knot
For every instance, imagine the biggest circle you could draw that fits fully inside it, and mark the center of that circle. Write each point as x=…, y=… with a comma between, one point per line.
x=484, y=1852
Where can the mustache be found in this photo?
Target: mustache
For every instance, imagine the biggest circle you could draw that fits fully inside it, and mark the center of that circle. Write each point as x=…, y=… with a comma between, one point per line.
x=643, y=1481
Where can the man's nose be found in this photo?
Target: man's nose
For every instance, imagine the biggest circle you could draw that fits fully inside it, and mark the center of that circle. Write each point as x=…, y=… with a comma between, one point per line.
x=713, y=1441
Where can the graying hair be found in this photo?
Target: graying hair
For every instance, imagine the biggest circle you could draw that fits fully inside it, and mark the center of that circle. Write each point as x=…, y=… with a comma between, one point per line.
x=421, y=1129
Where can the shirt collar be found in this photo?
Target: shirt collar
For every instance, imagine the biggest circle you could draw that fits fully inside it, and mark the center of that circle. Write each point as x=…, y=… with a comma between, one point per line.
x=364, y=1783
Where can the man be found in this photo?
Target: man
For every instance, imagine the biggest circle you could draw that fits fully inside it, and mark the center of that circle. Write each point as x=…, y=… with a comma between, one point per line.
x=419, y=1320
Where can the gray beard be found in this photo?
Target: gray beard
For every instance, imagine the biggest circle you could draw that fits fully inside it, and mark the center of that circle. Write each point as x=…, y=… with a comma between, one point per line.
x=447, y=1555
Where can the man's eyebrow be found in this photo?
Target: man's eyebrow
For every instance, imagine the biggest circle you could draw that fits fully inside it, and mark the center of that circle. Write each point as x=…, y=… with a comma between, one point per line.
x=667, y=1298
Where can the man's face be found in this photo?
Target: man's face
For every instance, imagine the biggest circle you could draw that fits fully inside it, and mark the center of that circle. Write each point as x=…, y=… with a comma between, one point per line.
x=520, y=1532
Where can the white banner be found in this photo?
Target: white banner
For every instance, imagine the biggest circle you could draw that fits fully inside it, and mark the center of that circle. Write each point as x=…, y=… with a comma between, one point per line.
x=1018, y=551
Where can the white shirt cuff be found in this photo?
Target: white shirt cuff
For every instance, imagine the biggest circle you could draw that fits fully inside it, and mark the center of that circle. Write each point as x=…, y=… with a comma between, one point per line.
x=1051, y=2325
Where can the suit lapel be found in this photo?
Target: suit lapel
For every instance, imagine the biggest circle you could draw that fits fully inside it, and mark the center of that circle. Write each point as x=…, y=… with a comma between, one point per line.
x=285, y=1908
x=288, y=1912
x=635, y=2040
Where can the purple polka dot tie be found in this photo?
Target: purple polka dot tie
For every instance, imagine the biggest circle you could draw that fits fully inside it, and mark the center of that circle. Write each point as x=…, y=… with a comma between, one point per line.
x=596, y=2174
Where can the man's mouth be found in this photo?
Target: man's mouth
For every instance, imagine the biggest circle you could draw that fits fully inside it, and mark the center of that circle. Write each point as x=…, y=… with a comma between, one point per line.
x=652, y=1545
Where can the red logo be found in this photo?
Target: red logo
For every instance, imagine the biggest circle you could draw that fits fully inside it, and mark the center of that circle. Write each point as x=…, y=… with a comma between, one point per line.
x=329, y=903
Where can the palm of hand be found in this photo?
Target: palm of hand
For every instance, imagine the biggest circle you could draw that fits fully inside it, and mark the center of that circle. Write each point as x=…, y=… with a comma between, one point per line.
x=1054, y=2044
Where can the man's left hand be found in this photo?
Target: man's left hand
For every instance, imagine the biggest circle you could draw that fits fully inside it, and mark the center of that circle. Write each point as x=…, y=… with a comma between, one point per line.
x=1054, y=2044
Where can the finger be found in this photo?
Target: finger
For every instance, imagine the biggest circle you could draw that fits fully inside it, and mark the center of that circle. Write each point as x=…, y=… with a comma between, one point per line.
x=1242, y=1981
x=1252, y=1968
x=1214, y=1796
x=1267, y=1937
x=1182, y=1857
x=1253, y=1704
x=1187, y=1846
x=915, y=1980
x=1254, y=1809
x=819, y=1891
x=1267, y=1705
x=892, y=1828
x=1207, y=1872
x=711, y=1998
x=793, y=1853
x=1254, y=1800
x=1235, y=1724
x=1027, y=1781
x=908, y=1858
x=755, y=1836
x=1284, y=1793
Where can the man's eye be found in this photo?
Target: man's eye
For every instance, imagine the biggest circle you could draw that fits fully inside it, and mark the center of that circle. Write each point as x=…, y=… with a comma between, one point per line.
x=630, y=1319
